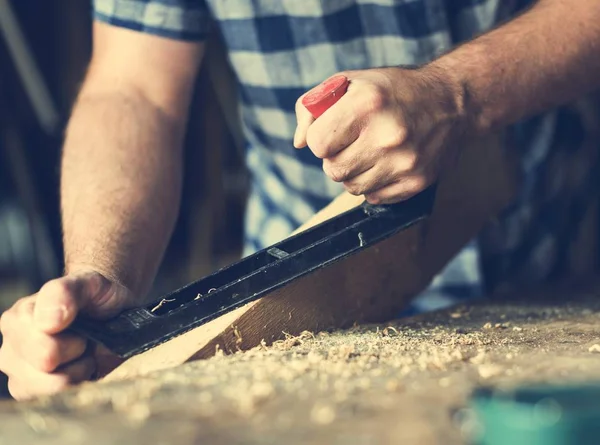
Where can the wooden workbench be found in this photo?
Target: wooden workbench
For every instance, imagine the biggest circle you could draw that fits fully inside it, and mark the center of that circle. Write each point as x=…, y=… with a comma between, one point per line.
x=400, y=382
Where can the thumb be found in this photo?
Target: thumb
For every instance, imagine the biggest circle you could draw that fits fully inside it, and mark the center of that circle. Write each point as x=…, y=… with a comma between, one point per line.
x=304, y=120
x=59, y=301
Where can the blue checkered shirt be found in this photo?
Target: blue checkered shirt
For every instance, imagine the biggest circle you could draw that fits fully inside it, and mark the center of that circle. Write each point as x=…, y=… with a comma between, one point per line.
x=279, y=49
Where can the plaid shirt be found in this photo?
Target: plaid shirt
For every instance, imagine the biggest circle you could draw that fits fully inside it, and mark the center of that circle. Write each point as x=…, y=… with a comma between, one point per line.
x=280, y=49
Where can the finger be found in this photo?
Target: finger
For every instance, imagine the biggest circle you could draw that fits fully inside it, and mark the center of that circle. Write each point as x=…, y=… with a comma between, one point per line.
x=398, y=191
x=79, y=370
x=16, y=322
x=11, y=317
x=383, y=165
x=6, y=362
x=388, y=166
x=106, y=361
x=30, y=382
x=59, y=301
x=349, y=163
x=18, y=391
x=304, y=119
x=47, y=353
x=346, y=120
x=42, y=351
x=336, y=129
x=370, y=181
x=56, y=305
x=24, y=381
x=317, y=101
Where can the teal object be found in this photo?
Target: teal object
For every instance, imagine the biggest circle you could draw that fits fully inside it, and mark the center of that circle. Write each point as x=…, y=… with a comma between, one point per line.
x=536, y=415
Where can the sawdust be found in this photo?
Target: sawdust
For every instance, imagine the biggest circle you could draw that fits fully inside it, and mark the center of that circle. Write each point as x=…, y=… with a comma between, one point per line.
x=594, y=348
x=489, y=370
x=322, y=413
x=238, y=337
x=394, y=383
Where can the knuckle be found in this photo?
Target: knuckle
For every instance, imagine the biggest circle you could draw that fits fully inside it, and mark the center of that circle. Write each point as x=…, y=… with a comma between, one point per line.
x=412, y=186
x=353, y=188
x=417, y=184
x=15, y=318
x=374, y=98
x=299, y=106
x=6, y=320
x=16, y=390
x=316, y=144
x=47, y=358
x=373, y=198
x=410, y=161
x=398, y=137
x=4, y=361
x=337, y=174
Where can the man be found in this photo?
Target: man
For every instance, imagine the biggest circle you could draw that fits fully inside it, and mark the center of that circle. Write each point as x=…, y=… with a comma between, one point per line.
x=121, y=168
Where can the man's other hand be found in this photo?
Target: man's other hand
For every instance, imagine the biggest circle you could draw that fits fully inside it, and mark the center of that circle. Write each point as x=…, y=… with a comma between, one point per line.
x=37, y=354
x=388, y=137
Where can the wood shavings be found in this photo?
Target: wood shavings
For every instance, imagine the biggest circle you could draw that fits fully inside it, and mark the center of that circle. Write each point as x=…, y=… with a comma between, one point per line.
x=322, y=413
x=238, y=336
x=393, y=385
x=314, y=357
x=161, y=304
x=40, y=423
x=205, y=397
x=386, y=331
x=343, y=352
x=212, y=289
x=290, y=340
x=361, y=239
x=444, y=382
x=489, y=370
x=381, y=377
x=479, y=358
x=262, y=390
x=138, y=413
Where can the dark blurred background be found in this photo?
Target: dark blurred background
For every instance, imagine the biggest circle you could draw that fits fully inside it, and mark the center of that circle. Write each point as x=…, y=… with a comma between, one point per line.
x=44, y=50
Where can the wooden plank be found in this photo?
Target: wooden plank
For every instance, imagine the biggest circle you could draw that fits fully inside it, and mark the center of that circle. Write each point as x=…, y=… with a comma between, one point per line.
x=370, y=286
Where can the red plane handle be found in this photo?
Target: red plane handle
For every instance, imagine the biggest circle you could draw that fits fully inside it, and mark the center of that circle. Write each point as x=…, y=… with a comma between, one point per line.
x=325, y=95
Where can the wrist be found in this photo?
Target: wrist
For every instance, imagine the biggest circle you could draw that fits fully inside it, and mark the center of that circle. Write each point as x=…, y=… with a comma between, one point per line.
x=469, y=113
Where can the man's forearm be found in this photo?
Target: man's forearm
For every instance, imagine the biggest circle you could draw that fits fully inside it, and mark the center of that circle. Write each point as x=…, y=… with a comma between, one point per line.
x=544, y=58
x=120, y=187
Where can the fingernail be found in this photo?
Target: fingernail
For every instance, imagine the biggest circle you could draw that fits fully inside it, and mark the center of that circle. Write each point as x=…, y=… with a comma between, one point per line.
x=52, y=316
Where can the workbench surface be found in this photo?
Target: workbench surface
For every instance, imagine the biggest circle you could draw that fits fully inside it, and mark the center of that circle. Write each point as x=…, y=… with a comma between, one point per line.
x=400, y=382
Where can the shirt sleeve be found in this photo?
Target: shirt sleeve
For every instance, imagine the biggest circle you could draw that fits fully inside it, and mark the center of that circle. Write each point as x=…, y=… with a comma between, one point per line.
x=176, y=19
